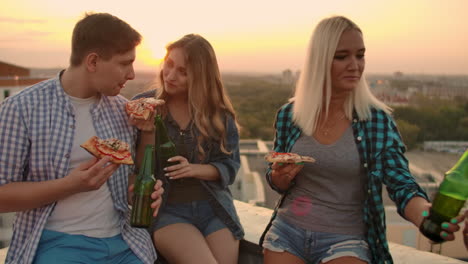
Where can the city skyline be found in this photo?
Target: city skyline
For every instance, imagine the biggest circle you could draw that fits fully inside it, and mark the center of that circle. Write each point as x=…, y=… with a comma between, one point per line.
x=421, y=37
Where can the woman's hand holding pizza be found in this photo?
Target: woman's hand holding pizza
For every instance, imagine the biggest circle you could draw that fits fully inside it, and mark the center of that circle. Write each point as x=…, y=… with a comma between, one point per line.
x=283, y=173
x=285, y=166
x=141, y=112
x=142, y=124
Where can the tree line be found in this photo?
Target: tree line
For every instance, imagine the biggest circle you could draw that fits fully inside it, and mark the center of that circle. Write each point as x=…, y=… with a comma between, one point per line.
x=427, y=119
x=257, y=100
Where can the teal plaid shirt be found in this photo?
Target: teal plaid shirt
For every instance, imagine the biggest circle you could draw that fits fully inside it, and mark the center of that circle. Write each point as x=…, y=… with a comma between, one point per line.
x=381, y=153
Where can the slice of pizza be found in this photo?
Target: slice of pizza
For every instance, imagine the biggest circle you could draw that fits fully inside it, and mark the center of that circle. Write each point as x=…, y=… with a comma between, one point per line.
x=118, y=150
x=142, y=108
x=283, y=157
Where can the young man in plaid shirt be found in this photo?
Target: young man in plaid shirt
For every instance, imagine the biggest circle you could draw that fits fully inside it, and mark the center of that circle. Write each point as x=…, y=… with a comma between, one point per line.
x=72, y=207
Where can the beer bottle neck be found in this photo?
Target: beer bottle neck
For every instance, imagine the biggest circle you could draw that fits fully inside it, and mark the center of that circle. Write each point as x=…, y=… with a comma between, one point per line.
x=455, y=183
x=161, y=131
x=460, y=170
x=147, y=165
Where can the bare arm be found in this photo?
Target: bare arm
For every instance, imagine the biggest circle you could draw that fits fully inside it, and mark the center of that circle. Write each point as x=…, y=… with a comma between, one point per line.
x=414, y=210
x=21, y=196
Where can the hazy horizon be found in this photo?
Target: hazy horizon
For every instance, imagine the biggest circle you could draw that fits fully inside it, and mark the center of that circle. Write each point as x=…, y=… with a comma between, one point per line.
x=148, y=71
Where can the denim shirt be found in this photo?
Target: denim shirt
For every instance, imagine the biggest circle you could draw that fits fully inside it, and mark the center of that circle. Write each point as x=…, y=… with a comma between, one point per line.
x=381, y=154
x=220, y=197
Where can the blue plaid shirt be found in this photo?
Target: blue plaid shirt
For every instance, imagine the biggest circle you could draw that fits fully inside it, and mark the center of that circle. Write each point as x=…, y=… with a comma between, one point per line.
x=381, y=153
x=37, y=127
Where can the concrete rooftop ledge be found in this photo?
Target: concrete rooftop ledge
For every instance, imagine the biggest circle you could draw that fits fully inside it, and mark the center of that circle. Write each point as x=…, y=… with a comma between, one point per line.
x=254, y=220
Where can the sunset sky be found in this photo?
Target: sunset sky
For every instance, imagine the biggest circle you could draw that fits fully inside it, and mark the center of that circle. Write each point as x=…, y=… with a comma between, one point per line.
x=261, y=36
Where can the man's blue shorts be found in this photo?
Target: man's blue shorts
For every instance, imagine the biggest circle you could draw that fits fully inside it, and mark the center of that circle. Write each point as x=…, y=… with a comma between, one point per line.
x=57, y=247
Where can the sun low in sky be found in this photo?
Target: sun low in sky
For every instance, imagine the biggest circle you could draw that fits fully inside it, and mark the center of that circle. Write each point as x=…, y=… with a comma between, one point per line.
x=262, y=36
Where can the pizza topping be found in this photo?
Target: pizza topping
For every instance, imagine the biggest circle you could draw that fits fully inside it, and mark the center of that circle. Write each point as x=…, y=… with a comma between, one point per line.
x=113, y=147
x=118, y=150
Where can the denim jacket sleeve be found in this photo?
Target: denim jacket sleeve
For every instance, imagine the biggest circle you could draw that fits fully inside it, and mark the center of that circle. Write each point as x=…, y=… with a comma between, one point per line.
x=227, y=164
x=401, y=185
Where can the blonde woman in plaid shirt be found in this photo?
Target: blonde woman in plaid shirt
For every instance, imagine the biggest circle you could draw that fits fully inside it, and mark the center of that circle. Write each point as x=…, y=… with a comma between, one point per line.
x=331, y=211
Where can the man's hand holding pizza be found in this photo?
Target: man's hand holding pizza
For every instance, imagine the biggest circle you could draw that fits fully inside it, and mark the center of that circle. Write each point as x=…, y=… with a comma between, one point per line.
x=91, y=175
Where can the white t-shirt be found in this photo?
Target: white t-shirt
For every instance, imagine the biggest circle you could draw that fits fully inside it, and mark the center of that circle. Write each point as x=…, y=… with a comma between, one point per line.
x=89, y=213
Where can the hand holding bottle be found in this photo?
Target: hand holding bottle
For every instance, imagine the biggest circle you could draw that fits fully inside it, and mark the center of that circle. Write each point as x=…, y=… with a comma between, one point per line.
x=181, y=168
x=449, y=200
x=449, y=228
x=156, y=196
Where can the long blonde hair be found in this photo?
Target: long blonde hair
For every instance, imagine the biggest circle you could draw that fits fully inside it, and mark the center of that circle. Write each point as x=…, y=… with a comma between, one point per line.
x=316, y=75
x=209, y=104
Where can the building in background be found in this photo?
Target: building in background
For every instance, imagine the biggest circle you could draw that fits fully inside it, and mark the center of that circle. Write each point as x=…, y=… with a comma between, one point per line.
x=14, y=79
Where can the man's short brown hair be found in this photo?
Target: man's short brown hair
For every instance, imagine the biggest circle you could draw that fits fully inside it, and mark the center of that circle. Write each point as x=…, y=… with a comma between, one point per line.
x=104, y=34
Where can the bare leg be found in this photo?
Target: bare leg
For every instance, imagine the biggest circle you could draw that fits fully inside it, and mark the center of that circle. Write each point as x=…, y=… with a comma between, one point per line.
x=183, y=243
x=272, y=257
x=224, y=246
x=347, y=260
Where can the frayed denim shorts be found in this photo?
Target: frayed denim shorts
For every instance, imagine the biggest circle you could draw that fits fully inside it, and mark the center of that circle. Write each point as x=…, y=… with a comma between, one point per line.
x=314, y=247
x=197, y=213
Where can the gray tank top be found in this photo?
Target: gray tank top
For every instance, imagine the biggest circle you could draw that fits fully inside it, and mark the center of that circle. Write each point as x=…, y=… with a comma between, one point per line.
x=329, y=194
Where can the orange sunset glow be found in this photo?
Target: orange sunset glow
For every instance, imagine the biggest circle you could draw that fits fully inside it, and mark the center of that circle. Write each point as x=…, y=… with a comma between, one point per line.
x=249, y=36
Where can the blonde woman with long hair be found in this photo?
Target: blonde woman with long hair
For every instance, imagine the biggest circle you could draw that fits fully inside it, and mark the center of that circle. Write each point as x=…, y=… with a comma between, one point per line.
x=198, y=222
x=331, y=211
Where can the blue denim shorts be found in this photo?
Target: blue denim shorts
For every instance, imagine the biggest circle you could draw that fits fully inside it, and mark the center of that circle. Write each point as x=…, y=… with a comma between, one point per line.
x=314, y=247
x=197, y=213
x=58, y=247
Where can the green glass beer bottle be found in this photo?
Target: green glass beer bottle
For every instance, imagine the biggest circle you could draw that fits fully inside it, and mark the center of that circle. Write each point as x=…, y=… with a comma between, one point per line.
x=142, y=213
x=449, y=200
x=165, y=148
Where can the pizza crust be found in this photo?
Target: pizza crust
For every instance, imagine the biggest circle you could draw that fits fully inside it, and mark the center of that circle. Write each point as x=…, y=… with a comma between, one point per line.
x=287, y=157
x=90, y=146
